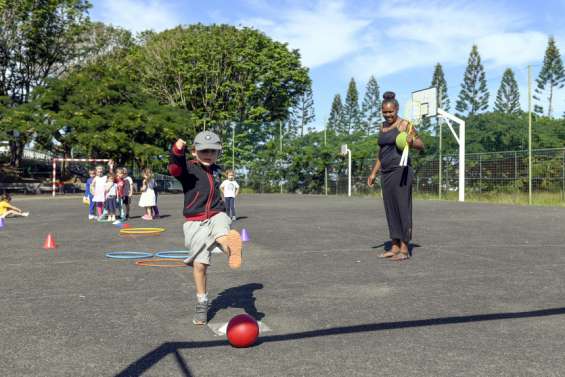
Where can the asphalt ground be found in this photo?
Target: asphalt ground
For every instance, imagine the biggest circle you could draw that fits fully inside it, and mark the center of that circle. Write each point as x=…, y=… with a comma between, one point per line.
x=482, y=295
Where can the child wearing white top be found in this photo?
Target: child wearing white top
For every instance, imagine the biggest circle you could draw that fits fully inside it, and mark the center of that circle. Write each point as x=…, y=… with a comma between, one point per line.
x=230, y=190
x=99, y=190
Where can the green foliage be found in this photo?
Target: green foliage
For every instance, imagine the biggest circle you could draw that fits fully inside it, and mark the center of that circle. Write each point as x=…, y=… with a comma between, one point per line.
x=351, y=112
x=100, y=112
x=508, y=96
x=335, y=121
x=439, y=82
x=474, y=94
x=221, y=73
x=371, y=108
x=38, y=40
x=302, y=113
x=551, y=76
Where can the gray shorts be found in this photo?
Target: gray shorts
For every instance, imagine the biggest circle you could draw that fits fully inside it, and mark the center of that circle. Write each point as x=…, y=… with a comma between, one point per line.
x=200, y=237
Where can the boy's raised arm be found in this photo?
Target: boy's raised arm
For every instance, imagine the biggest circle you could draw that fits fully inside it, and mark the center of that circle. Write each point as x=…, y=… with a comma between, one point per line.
x=178, y=167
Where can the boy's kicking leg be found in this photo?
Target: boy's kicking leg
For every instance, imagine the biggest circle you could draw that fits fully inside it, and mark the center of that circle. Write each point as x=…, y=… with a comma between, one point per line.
x=233, y=247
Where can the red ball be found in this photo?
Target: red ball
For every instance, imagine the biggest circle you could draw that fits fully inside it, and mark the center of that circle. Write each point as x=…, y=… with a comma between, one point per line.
x=126, y=225
x=242, y=331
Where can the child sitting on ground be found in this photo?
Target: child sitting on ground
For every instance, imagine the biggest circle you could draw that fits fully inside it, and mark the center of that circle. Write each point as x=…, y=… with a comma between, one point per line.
x=207, y=225
x=8, y=210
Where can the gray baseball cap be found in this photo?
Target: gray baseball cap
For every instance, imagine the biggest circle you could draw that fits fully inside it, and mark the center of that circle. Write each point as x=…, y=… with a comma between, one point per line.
x=207, y=140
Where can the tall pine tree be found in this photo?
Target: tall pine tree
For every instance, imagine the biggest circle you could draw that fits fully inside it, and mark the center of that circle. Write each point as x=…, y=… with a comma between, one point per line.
x=438, y=80
x=508, y=96
x=551, y=76
x=442, y=100
x=303, y=113
x=371, y=108
x=351, y=112
x=474, y=94
x=335, y=121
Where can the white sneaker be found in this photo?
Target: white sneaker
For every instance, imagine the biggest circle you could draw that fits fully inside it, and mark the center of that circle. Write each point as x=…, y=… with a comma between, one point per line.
x=91, y=217
x=25, y=214
x=117, y=222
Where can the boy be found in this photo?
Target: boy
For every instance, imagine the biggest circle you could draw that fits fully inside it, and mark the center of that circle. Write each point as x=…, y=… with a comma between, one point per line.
x=128, y=192
x=88, y=194
x=230, y=189
x=207, y=226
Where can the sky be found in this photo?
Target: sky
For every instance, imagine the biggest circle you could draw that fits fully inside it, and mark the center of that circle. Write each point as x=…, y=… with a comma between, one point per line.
x=397, y=41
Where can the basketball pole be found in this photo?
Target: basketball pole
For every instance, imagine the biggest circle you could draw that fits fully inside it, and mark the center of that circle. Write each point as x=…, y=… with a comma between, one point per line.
x=461, y=140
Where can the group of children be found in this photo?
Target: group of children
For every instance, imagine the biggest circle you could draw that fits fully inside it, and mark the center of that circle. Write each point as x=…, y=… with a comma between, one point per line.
x=109, y=196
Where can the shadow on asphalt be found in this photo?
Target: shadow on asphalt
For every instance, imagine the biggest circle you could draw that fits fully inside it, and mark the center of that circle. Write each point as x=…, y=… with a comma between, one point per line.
x=143, y=364
x=237, y=297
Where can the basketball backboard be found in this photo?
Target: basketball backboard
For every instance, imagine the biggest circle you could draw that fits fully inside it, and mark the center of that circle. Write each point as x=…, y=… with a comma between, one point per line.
x=424, y=103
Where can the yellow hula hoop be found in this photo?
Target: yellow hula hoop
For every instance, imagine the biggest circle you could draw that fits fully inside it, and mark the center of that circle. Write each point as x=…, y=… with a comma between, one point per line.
x=141, y=231
x=165, y=262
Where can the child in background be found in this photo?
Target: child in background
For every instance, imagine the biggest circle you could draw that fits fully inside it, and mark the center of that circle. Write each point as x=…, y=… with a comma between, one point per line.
x=99, y=190
x=230, y=190
x=120, y=183
x=88, y=193
x=207, y=225
x=155, y=209
x=147, y=199
x=128, y=191
x=8, y=210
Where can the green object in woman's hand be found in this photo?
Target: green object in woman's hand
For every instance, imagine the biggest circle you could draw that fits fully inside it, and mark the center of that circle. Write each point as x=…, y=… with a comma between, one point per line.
x=401, y=140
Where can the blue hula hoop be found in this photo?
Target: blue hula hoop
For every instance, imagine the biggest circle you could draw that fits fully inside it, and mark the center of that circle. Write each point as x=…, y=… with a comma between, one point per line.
x=128, y=255
x=173, y=254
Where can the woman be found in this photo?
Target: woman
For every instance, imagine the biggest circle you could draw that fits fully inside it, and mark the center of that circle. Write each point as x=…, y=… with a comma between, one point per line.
x=396, y=180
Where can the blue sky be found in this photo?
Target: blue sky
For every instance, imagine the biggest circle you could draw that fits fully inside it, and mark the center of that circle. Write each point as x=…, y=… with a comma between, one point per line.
x=397, y=41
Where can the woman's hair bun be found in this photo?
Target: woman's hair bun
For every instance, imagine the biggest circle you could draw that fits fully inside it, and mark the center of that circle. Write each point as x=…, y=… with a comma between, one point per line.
x=389, y=95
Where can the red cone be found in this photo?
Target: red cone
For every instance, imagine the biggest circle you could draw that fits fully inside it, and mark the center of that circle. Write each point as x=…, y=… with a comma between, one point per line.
x=49, y=242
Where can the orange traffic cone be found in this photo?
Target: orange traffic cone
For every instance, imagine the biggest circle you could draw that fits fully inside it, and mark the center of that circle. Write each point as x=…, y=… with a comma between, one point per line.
x=49, y=242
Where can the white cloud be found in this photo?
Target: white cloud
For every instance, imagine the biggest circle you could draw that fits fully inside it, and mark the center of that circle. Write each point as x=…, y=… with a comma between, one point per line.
x=422, y=34
x=323, y=33
x=137, y=15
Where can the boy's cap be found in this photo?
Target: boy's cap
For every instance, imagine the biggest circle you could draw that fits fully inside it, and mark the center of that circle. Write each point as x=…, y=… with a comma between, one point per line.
x=207, y=140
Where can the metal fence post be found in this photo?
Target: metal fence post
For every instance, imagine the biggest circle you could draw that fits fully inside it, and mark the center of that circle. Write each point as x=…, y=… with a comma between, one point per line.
x=480, y=173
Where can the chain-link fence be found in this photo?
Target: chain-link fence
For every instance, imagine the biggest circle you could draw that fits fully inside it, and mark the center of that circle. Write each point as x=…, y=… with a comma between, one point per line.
x=487, y=175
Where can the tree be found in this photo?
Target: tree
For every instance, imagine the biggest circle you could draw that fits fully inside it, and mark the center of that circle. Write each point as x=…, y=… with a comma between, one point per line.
x=371, y=108
x=303, y=113
x=39, y=39
x=508, y=96
x=551, y=76
x=438, y=81
x=99, y=111
x=474, y=94
x=221, y=73
x=335, y=121
x=351, y=112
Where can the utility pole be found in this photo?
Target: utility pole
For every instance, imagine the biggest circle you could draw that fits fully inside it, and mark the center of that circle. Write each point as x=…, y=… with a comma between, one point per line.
x=326, y=168
x=530, y=135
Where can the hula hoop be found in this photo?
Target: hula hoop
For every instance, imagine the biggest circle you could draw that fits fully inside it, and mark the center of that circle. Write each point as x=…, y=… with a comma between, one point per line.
x=141, y=231
x=166, y=263
x=172, y=254
x=129, y=255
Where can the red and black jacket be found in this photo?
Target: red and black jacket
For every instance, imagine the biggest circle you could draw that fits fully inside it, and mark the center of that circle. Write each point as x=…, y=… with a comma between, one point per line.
x=200, y=184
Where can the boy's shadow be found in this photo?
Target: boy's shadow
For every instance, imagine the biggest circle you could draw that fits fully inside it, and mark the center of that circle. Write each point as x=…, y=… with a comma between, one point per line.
x=237, y=297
